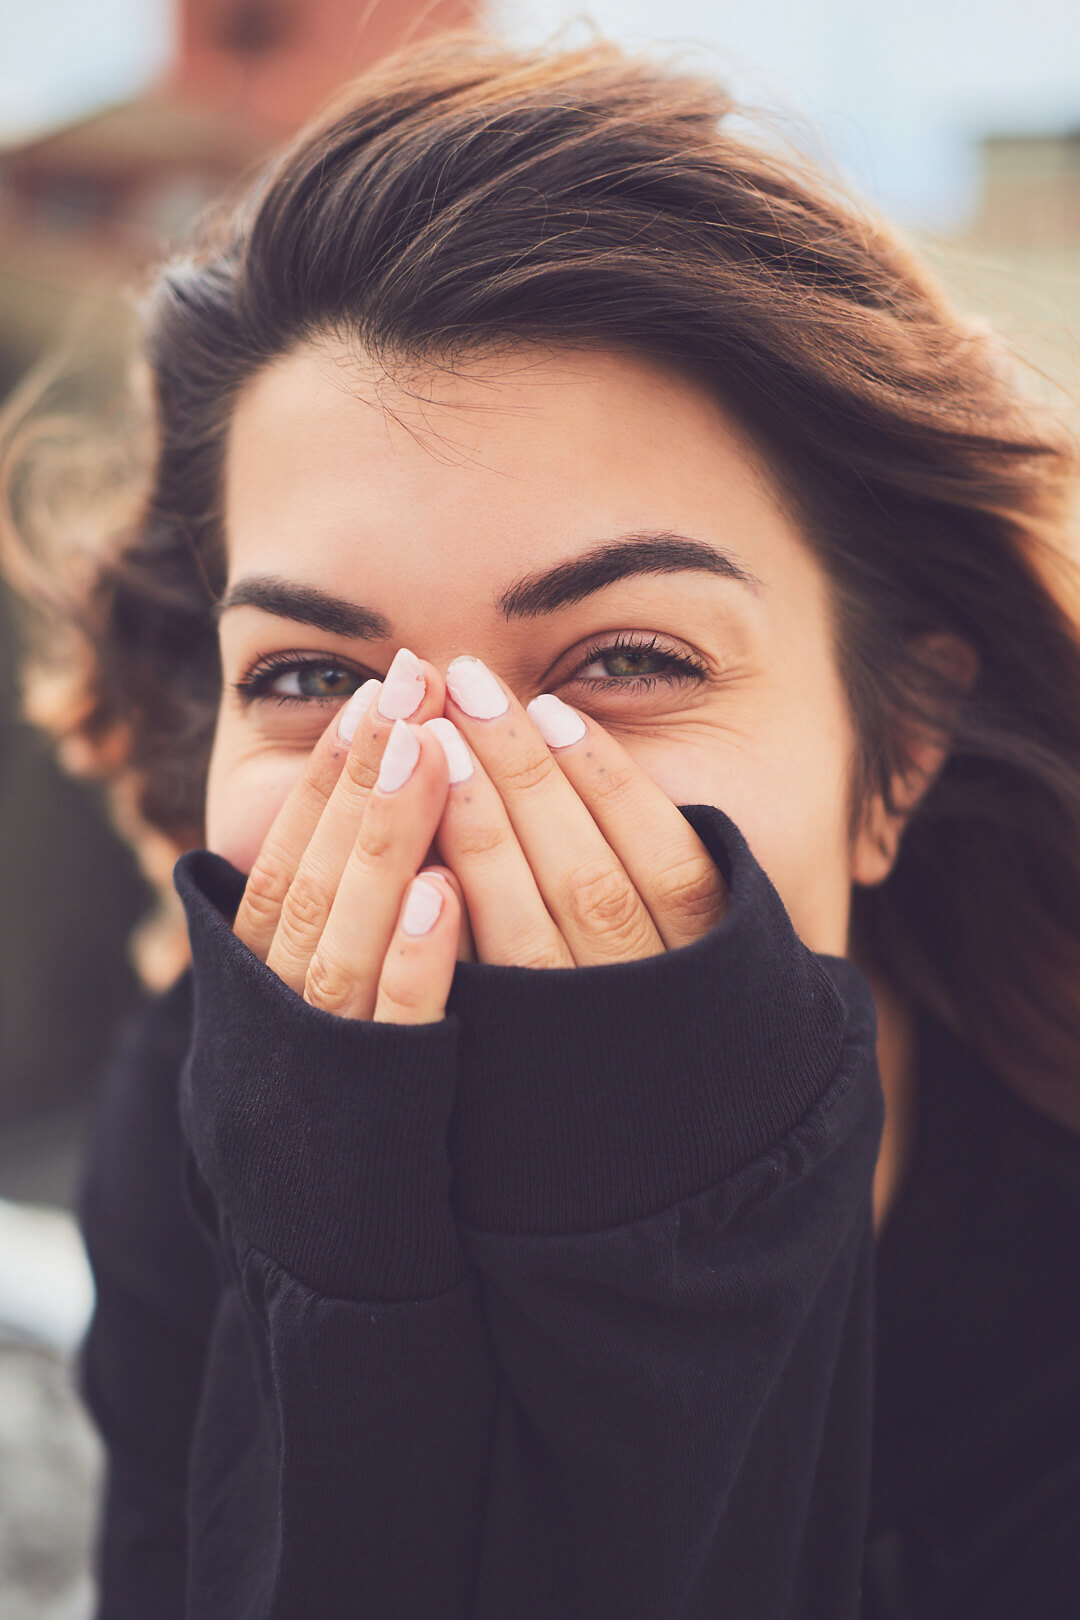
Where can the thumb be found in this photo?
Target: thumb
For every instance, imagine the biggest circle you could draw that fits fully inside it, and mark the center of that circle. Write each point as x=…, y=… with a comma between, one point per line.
x=466, y=951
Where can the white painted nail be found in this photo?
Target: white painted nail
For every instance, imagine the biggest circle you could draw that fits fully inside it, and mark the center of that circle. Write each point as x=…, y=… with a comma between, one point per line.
x=423, y=903
x=404, y=687
x=399, y=758
x=474, y=688
x=355, y=710
x=556, y=721
x=454, y=747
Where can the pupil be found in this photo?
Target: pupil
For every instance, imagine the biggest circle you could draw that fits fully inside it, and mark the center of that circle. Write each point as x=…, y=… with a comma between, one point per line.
x=325, y=682
x=628, y=659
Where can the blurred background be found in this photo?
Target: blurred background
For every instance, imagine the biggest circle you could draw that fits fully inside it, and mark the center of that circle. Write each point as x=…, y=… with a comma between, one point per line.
x=119, y=122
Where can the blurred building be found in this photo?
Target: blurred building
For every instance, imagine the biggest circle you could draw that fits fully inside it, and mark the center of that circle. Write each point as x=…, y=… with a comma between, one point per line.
x=1030, y=192
x=1019, y=261
x=84, y=206
x=272, y=61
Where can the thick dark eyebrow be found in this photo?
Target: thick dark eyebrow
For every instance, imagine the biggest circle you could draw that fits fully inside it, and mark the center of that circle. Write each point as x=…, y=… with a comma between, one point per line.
x=580, y=576
x=305, y=604
x=530, y=598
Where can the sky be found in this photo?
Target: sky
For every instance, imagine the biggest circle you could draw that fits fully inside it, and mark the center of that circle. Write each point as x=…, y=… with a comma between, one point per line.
x=894, y=95
x=60, y=58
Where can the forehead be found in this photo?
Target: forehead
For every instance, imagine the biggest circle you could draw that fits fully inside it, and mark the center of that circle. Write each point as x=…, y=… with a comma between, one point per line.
x=501, y=461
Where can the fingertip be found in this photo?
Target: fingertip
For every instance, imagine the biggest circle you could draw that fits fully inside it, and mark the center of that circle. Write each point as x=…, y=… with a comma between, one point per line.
x=434, y=869
x=445, y=879
x=466, y=943
x=459, y=761
x=425, y=903
x=419, y=967
x=434, y=699
x=347, y=719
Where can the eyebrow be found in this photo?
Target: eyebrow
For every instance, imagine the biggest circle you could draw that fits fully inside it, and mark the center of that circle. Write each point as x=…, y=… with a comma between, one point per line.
x=531, y=597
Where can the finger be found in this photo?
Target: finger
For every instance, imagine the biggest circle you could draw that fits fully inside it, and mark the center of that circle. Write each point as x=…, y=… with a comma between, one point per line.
x=275, y=865
x=511, y=924
x=466, y=951
x=394, y=836
x=667, y=862
x=419, y=964
x=410, y=686
x=584, y=884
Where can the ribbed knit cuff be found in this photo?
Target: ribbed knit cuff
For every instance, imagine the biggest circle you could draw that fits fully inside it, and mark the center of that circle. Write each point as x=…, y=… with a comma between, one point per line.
x=593, y=1096
x=321, y=1138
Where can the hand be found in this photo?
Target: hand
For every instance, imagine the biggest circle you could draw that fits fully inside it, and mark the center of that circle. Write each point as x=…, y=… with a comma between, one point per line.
x=333, y=900
x=566, y=851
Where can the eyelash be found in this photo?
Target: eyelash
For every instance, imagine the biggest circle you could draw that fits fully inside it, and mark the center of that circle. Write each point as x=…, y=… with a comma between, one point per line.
x=254, y=685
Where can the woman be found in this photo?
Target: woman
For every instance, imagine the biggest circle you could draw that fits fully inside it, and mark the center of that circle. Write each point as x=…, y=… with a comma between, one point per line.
x=600, y=629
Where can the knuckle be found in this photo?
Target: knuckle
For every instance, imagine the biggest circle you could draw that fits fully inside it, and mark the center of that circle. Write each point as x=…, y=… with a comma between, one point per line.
x=528, y=946
x=537, y=955
x=359, y=773
x=601, y=897
x=266, y=888
x=612, y=782
x=328, y=987
x=373, y=842
x=690, y=889
x=305, y=908
x=529, y=769
x=316, y=787
x=400, y=992
x=478, y=840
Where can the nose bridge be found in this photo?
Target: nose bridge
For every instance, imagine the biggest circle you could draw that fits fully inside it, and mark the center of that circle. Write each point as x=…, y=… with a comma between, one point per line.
x=496, y=653
x=443, y=621
x=442, y=592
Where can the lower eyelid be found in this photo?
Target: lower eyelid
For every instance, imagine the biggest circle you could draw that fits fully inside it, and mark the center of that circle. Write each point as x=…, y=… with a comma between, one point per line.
x=284, y=699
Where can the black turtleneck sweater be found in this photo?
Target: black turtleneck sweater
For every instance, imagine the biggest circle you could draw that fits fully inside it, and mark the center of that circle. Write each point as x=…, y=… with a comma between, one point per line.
x=567, y=1307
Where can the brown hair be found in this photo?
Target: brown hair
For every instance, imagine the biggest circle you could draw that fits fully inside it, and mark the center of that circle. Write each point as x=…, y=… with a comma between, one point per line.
x=465, y=193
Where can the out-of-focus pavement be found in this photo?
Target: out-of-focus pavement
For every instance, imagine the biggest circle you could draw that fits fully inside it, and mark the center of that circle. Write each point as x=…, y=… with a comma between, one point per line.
x=49, y=1476
x=50, y=1456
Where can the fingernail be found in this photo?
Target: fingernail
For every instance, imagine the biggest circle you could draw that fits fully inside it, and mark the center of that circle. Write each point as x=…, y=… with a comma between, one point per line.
x=454, y=747
x=556, y=721
x=423, y=904
x=399, y=758
x=474, y=688
x=355, y=710
x=404, y=687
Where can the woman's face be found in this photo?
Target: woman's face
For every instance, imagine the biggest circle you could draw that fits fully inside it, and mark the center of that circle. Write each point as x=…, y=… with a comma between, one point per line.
x=433, y=502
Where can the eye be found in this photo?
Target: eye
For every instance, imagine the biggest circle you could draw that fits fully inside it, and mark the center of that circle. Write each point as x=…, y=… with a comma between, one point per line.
x=636, y=663
x=288, y=678
x=628, y=663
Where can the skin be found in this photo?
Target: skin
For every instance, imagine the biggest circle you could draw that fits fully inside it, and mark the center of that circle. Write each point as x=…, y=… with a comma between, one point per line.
x=425, y=497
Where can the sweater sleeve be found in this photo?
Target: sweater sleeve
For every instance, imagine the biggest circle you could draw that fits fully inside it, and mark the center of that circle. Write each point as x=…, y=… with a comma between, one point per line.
x=663, y=1175
x=339, y=1457
x=559, y=1306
